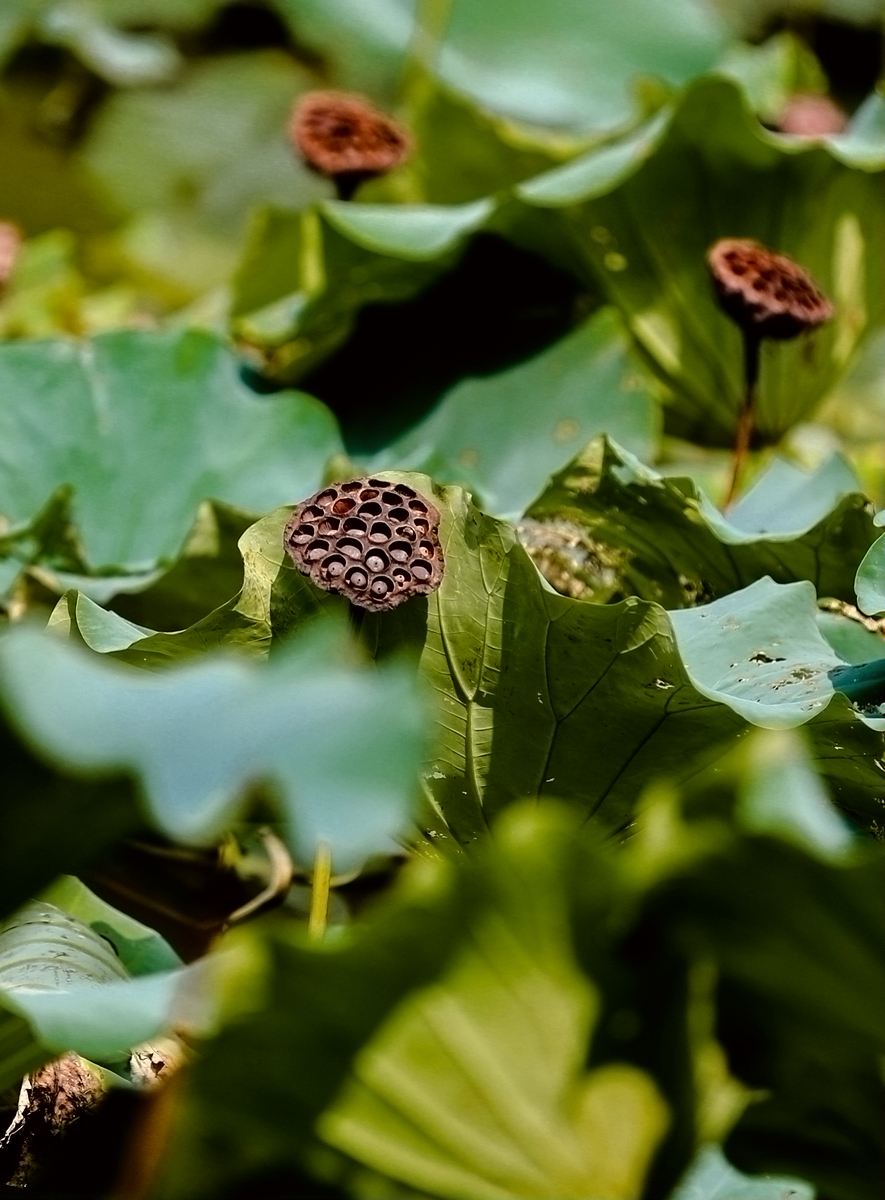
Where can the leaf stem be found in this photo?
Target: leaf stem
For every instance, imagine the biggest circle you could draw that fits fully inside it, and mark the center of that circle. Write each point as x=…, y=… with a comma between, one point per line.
x=319, y=897
x=744, y=433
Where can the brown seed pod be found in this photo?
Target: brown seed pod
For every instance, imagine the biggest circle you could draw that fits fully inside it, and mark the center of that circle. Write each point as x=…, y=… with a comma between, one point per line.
x=346, y=138
x=371, y=540
x=767, y=294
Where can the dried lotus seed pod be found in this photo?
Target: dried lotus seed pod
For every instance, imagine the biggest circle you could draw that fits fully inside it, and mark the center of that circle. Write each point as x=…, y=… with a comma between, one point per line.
x=371, y=540
x=767, y=294
x=346, y=138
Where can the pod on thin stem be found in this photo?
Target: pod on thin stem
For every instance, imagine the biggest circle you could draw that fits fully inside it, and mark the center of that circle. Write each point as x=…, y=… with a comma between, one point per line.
x=767, y=295
x=346, y=139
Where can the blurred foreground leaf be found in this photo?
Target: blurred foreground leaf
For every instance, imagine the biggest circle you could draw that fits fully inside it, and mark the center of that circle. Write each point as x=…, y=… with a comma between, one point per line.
x=482, y=982
x=491, y=1061
x=477, y=1085
x=339, y=746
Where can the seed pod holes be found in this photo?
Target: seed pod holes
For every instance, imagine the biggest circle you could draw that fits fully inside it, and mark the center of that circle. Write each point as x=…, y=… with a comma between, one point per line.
x=767, y=294
x=374, y=541
x=347, y=138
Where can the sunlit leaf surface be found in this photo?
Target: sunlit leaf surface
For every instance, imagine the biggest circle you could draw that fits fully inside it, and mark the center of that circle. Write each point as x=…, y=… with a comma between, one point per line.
x=114, y=418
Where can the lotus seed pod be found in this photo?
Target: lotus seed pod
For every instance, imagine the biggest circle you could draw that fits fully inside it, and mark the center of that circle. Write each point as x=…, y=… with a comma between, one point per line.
x=368, y=539
x=767, y=294
x=346, y=138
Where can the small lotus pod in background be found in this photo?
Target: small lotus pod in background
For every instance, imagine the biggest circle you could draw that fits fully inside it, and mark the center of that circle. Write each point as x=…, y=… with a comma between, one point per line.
x=10, y=246
x=346, y=138
x=371, y=540
x=767, y=294
x=812, y=117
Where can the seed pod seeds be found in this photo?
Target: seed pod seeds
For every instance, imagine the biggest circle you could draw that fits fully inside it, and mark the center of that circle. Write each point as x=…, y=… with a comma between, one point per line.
x=371, y=540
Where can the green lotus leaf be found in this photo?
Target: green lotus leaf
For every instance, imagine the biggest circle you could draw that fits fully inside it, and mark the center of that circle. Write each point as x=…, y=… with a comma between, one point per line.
x=861, y=143
x=851, y=640
x=461, y=1064
x=760, y=651
x=98, y=33
x=772, y=72
x=818, y=1109
x=870, y=582
x=477, y=1085
x=782, y=794
x=598, y=171
x=533, y=686
x=19, y=1050
x=141, y=949
x=207, y=572
x=340, y=746
x=712, y=1177
x=65, y=978
x=142, y=427
x=665, y=541
x=103, y=1022
x=43, y=948
x=100, y=628
x=416, y=232
x=462, y=152
x=181, y=154
x=566, y=65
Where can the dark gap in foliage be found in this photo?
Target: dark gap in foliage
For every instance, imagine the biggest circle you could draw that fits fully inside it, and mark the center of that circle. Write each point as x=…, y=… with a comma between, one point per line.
x=244, y=27
x=186, y=895
x=851, y=57
x=281, y=1184
x=58, y=93
x=498, y=307
x=86, y=1159
x=703, y=432
x=86, y=817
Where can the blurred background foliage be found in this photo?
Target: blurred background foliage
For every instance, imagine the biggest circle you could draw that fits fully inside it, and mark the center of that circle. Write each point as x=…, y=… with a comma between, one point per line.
x=658, y=976
x=148, y=169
